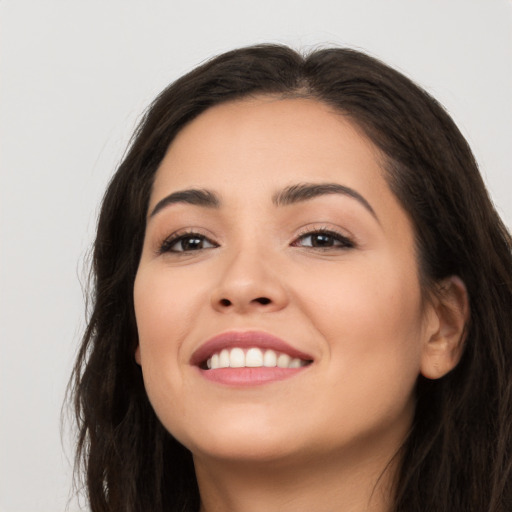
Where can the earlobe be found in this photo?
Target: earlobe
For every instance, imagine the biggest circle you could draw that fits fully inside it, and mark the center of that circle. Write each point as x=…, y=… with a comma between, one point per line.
x=137, y=355
x=444, y=343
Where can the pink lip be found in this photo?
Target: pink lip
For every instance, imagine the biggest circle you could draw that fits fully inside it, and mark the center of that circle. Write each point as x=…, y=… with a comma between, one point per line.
x=245, y=339
x=246, y=377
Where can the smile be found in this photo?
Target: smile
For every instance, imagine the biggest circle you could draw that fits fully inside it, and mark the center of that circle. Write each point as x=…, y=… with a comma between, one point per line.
x=245, y=358
x=253, y=358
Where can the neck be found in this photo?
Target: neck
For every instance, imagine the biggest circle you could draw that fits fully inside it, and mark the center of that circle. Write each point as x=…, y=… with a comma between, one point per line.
x=362, y=485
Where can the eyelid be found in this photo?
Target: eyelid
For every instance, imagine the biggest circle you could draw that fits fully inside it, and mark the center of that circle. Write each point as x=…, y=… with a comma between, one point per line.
x=347, y=238
x=164, y=245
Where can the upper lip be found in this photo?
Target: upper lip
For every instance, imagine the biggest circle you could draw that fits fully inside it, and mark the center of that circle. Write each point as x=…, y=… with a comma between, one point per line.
x=244, y=339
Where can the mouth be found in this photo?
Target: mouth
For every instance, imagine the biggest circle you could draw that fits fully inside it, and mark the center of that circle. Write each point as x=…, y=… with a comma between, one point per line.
x=253, y=357
x=244, y=358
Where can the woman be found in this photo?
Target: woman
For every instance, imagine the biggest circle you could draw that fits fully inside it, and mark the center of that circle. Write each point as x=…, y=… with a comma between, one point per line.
x=302, y=301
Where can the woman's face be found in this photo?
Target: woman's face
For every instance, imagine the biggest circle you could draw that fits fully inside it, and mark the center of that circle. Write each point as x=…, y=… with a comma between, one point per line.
x=274, y=245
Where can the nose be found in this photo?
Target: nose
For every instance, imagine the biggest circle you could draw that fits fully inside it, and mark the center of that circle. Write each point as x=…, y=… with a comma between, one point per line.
x=249, y=282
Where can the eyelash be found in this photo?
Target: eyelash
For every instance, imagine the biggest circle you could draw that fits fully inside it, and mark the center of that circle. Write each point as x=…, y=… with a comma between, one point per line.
x=342, y=240
x=171, y=241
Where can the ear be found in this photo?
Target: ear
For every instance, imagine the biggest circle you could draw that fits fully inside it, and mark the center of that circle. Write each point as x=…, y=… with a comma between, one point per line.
x=137, y=355
x=446, y=333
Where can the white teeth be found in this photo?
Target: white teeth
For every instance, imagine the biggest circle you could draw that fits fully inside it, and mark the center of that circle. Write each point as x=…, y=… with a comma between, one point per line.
x=295, y=363
x=237, y=358
x=252, y=358
x=224, y=358
x=270, y=359
x=283, y=361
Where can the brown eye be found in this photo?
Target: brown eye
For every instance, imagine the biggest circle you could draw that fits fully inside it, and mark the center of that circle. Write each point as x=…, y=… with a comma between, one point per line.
x=189, y=244
x=324, y=240
x=186, y=243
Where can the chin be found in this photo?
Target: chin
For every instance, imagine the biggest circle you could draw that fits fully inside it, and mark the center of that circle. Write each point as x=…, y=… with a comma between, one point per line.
x=245, y=439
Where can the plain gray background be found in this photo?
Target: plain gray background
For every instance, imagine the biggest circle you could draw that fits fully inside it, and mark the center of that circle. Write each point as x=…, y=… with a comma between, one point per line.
x=75, y=76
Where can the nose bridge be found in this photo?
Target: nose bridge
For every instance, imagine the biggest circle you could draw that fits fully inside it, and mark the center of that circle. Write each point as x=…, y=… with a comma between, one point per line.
x=249, y=280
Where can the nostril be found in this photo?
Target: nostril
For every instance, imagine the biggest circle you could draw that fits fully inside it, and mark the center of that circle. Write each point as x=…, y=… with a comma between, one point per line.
x=263, y=300
x=225, y=303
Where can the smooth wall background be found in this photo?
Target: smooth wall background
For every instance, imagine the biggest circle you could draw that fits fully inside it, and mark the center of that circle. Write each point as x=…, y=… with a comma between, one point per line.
x=75, y=77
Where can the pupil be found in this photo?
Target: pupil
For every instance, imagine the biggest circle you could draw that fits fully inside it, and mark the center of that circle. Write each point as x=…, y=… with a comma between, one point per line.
x=322, y=240
x=188, y=244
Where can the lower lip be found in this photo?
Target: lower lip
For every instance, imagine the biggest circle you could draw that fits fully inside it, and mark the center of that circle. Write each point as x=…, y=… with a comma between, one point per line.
x=249, y=376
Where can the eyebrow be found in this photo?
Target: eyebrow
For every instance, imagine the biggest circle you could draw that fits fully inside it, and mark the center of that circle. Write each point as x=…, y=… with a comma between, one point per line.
x=306, y=191
x=197, y=197
x=289, y=195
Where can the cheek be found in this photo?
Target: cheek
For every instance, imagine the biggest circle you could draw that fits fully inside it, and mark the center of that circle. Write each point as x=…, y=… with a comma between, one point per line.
x=165, y=306
x=164, y=309
x=371, y=316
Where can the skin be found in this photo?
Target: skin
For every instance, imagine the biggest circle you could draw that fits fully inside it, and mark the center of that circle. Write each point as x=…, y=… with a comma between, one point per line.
x=326, y=437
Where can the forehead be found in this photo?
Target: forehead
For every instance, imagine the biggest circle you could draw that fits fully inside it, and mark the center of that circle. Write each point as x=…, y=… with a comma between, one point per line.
x=269, y=140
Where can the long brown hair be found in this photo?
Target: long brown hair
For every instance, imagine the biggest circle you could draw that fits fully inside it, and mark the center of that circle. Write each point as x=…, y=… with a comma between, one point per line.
x=458, y=456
